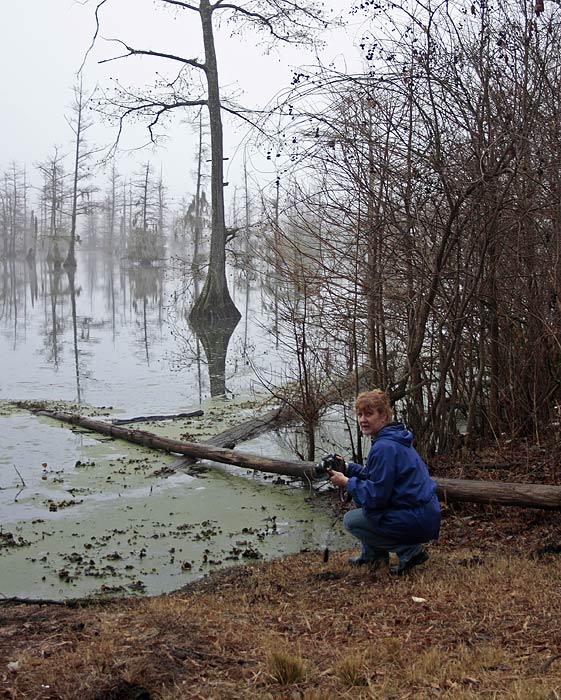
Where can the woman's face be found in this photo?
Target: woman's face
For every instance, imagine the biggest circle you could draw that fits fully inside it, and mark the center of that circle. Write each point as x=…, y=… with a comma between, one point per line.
x=370, y=420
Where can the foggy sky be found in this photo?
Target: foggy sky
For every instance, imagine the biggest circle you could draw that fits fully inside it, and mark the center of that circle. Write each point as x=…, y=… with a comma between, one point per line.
x=43, y=43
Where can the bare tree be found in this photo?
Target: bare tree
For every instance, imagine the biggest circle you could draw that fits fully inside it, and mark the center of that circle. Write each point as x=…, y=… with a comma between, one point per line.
x=53, y=193
x=282, y=21
x=112, y=202
x=81, y=187
x=435, y=178
x=13, y=211
x=145, y=242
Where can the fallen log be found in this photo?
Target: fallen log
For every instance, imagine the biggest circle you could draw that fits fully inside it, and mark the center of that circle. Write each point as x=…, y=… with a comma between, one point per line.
x=252, y=428
x=249, y=429
x=505, y=493
x=487, y=492
x=192, y=449
x=144, y=419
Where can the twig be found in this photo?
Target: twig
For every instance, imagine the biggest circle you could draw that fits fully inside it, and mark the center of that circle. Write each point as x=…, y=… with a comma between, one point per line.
x=548, y=663
x=20, y=476
x=69, y=603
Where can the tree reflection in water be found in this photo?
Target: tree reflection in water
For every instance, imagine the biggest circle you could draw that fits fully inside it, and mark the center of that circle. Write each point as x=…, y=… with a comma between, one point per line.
x=146, y=284
x=112, y=333
x=215, y=338
x=71, y=271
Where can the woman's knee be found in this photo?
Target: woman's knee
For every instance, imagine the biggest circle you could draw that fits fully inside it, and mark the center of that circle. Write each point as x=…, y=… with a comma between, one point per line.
x=353, y=519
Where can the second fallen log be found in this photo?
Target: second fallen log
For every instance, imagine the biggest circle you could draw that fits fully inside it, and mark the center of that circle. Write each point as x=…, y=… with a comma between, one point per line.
x=294, y=468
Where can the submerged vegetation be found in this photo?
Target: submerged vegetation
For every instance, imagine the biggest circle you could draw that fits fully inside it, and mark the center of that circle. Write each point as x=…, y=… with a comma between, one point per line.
x=90, y=517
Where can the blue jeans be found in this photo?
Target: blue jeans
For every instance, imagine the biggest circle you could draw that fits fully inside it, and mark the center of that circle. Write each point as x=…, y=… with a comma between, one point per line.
x=375, y=546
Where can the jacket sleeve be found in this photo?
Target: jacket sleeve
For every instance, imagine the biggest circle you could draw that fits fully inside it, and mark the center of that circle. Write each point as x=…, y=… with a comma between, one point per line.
x=354, y=469
x=372, y=486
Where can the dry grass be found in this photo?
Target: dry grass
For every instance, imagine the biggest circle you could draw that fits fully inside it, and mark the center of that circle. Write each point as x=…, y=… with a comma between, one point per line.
x=353, y=672
x=285, y=668
x=299, y=628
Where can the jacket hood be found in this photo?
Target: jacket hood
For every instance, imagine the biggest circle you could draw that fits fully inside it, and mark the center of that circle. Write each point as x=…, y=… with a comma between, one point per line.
x=397, y=432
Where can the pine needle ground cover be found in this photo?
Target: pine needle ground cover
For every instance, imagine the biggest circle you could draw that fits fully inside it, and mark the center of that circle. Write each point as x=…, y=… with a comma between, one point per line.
x=480, y=620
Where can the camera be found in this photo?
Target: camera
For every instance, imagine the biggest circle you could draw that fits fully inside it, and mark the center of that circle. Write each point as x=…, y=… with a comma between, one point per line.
x=331, y=462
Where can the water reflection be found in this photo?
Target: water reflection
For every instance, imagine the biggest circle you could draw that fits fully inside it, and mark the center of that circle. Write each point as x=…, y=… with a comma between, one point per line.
x=215, y=338
x=31, y=269
x=101, y=334
x=54, y=315
x=146, y=284
x=71, y=271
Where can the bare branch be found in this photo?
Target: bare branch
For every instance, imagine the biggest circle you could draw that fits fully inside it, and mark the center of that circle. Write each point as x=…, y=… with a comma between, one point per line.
x=240, y=114
x=158, y=54
x=185, y=5
x=282, y=18
x=157, y=114
x=90, y=47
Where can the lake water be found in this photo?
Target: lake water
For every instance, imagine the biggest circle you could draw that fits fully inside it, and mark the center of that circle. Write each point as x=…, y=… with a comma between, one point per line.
x=84, y=515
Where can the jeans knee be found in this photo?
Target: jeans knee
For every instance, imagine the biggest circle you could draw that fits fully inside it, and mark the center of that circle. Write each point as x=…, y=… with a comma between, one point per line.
x=346, y=520
x=352, y=519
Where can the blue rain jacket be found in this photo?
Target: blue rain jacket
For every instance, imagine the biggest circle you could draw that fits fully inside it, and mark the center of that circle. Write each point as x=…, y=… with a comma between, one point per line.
x=395, y=490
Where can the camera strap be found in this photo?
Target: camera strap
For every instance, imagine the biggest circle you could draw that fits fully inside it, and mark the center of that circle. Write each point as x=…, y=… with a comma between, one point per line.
x=344, y=495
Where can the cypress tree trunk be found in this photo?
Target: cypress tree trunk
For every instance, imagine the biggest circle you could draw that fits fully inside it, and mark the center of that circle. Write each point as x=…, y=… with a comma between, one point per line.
x=214, y=302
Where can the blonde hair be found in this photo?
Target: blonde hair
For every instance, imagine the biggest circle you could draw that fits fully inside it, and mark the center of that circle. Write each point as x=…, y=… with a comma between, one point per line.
x=376, y=400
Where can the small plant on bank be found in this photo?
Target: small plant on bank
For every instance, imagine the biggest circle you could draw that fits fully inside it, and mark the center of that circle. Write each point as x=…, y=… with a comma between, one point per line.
x=284, y=668
x=352, y=673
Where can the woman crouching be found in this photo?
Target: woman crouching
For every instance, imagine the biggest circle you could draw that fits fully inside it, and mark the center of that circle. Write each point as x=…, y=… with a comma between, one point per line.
x=398, y=509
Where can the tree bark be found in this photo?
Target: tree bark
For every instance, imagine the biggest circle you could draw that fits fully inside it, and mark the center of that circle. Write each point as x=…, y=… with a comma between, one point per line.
x=489, y=492
x=501, y=493
x=214, y=303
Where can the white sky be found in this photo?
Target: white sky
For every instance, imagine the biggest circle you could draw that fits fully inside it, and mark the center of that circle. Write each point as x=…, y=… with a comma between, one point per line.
x=43, y=42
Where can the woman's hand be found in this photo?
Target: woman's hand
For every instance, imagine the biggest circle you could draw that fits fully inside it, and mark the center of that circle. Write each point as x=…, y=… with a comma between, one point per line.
x=337, y=478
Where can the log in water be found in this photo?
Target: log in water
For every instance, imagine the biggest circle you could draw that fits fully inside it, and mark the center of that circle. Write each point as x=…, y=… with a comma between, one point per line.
x=489, y=492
